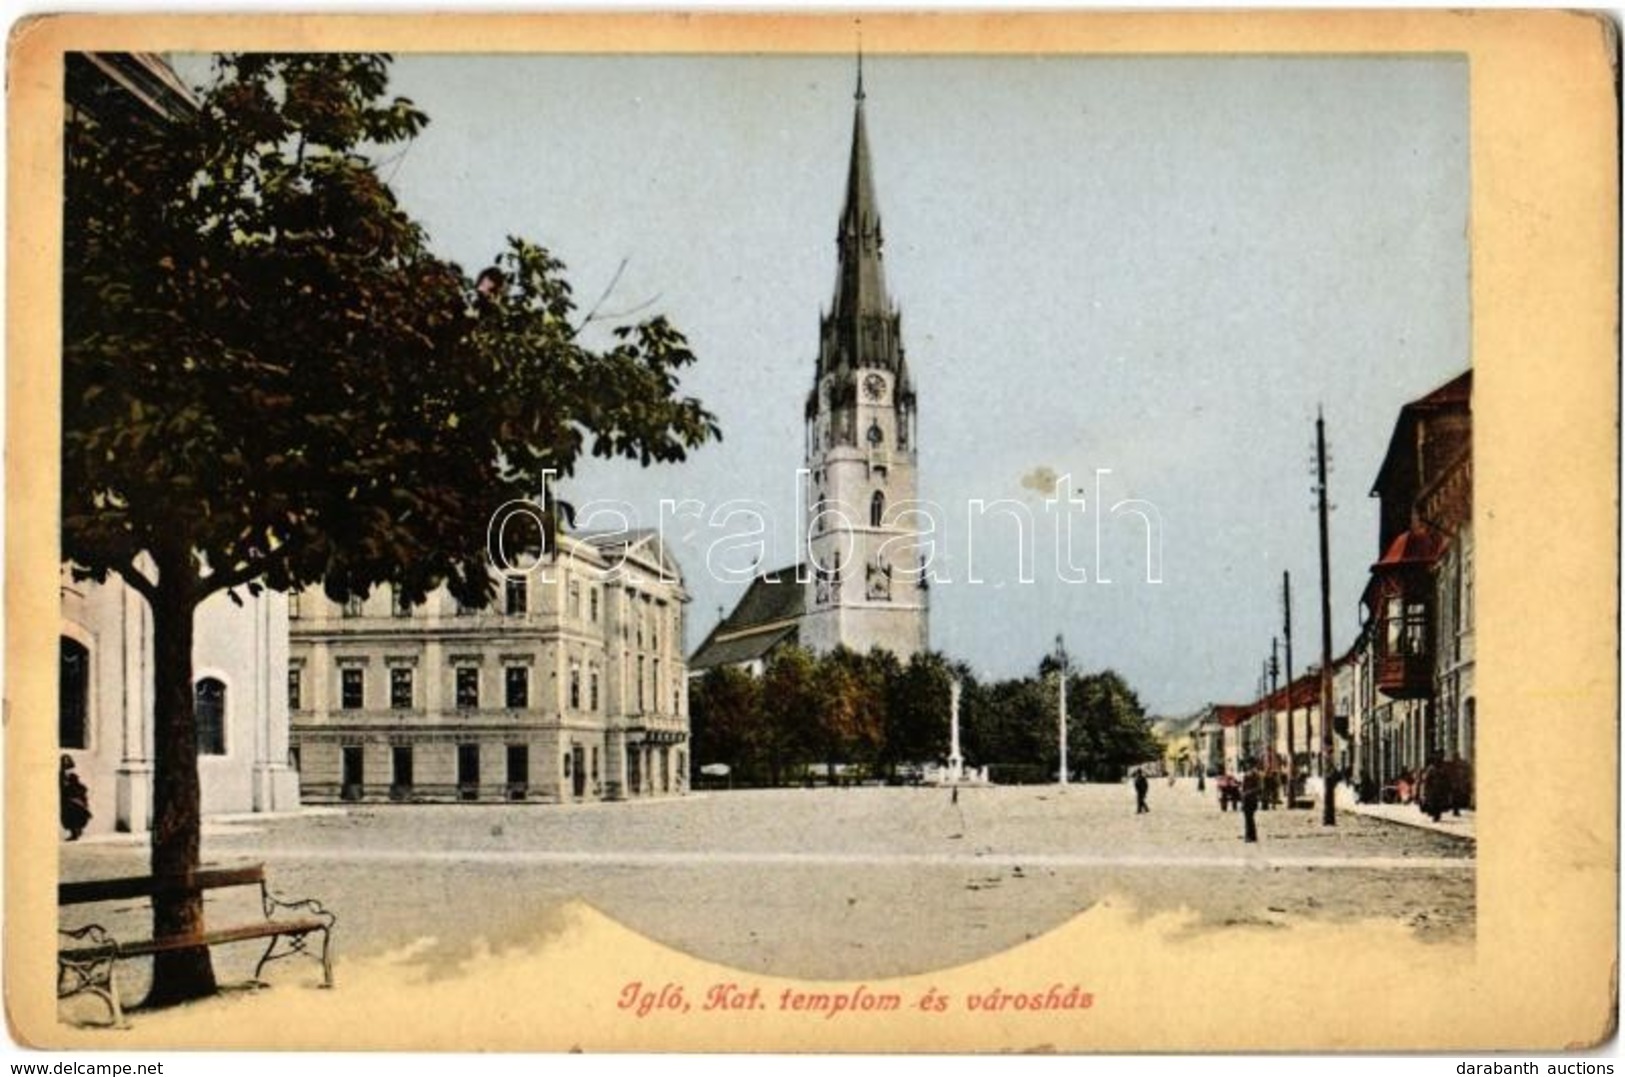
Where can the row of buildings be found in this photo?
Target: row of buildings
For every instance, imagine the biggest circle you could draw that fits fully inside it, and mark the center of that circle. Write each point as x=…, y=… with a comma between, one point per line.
x=1403, y=693
x=571, y=687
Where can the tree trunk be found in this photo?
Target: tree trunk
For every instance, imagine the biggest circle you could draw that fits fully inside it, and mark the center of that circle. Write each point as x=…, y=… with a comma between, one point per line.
x=180, y=975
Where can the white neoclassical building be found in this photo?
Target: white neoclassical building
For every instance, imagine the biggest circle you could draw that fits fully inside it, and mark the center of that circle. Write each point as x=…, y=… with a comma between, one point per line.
x=572, y=687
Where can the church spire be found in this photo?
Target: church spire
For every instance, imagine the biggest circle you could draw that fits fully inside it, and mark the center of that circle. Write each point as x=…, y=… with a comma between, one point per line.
x=862, y=321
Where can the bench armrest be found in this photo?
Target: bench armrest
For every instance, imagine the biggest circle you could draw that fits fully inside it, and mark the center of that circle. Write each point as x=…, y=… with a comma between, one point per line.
x=272, y=903
x=92, y=941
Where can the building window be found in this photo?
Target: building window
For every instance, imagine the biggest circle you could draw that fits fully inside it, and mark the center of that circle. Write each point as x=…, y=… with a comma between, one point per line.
x=401, y=766
x=401, y=608
x=352, y=772
x=293, y=605
x=352, y=694
x=1466, y=624
x=468, y=688
x=468, y=767
x=1406, y=627
x=400, y=690
x=592, y=602
x=73, y=695
x=656, y=679
x=296, y=689
x=518, y=687
x=877, y=509
x=640, y=684
x=575, y=688
x=210, y=700
x=354, y=606
x=518, y=764
x=592, y=689
x=516, y=593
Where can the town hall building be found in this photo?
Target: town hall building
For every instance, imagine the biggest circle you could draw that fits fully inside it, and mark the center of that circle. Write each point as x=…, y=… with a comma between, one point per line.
x=858, y=583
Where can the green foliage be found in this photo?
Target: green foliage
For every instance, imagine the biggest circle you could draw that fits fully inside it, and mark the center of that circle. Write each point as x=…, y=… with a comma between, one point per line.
x=917, y=705
x=722, y=715
x=271, y=381
x=789, y=715
x=265, y=365
x=872, y=714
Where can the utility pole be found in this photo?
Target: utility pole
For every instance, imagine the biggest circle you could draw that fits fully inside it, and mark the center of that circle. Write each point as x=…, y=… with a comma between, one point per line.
x=1275, y=688
x=1060, y=649
x=1328, y=811
x=1267, y=726
x=1291, y=718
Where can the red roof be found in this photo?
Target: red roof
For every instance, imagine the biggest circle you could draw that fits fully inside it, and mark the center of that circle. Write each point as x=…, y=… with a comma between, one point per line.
x=1305, y=693
x=1411, y=547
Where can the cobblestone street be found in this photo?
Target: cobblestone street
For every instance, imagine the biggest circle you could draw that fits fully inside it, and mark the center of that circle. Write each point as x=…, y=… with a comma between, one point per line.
x=829, y=883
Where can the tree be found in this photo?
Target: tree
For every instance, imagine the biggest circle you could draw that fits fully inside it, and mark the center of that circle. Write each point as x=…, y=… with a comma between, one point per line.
x=851, y=698
x=270, y=381
x=1107, y=728
x=917, y=706
x=723, y=710
x=790, y=708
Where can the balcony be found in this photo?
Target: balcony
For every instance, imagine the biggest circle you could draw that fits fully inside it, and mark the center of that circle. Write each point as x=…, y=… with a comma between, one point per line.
x=1404, y=676
x=1400, y=598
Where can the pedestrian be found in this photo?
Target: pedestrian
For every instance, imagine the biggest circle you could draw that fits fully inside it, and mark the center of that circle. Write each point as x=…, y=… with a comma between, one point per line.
x=1142, y=786
x=1433, y=791
x=1251, y=789
x=75, y=800
x=1461, y=784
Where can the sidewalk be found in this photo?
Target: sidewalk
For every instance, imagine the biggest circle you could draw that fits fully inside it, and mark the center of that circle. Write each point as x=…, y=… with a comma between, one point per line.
x=224, y=823
x=1463, y=826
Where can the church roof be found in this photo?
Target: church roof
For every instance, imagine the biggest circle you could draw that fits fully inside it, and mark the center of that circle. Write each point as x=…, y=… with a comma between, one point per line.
x=767, y=615
x=862, y=328
x=862, y=285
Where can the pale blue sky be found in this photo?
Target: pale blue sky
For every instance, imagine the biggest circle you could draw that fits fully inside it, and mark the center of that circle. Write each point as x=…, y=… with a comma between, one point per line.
x=1158, y=266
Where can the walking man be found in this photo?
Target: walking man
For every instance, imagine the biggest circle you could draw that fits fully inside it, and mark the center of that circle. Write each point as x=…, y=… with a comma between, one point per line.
x=1251, y=788
x=1142, y=786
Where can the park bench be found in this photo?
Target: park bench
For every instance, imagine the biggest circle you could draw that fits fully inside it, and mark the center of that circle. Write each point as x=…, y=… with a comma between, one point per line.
x=88, y=957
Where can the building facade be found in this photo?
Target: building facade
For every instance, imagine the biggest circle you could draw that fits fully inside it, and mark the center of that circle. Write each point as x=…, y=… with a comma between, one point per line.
x=570, y=688
x=239, y=655
x=1417, y=700
x=860, y=584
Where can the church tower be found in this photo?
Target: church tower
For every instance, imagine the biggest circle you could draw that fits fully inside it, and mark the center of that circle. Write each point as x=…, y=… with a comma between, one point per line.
x=864, y=585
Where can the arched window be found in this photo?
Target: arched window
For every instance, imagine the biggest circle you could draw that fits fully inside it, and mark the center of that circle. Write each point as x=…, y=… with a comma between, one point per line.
x=210, y=701
x=73, y=696
x=877, y=509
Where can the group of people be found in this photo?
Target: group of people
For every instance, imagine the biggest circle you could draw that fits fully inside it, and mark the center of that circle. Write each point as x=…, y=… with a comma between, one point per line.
x=1443, y=785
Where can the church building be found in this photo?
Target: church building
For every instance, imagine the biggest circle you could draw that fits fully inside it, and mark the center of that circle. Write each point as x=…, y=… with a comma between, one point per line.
x=858, y=583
